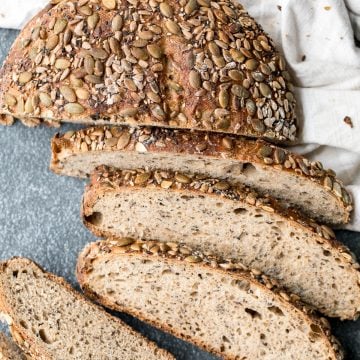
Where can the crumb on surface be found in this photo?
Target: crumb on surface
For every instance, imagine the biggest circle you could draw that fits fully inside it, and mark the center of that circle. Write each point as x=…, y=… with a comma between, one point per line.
x=303, y=58
x=279, y=7
x=327, y=8
x=348, y=121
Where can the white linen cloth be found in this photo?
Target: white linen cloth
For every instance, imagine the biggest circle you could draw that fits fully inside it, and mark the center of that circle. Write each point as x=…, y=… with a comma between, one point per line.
x=317, y=40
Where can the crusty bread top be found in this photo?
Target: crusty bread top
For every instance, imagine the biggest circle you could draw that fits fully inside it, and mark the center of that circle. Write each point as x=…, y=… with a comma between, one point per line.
x=195, y=64
x=174, y=252
x=147, y=139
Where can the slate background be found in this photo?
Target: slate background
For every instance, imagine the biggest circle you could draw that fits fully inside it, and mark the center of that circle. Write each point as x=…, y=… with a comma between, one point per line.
x=39, y=219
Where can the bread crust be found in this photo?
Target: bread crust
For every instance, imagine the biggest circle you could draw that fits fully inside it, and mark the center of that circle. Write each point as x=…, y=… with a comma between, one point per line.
x=212, y=146
x=198, y=56
x=28, y=344
x=112, y=249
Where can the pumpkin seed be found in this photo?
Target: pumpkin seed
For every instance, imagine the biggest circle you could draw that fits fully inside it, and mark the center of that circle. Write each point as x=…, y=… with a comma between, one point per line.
x=123, y=141
x=52, y=42
x=110, y=142
x=192, y=259
x=191, y=6
x=10, y=100
x=236, y=75
x=237, y=55
x=139, y=53
x=124, y=242
x=154, y=50
x=99, y=53
x=85, y=10
x=251, y=64
x=328, y=183
x=93, y=20
x=128, y=112
x=265, y=90
x=25, y=77
x=214, y=49
x=337, y=189
x=165, y=9
x=258, y=125
x=223, y=98
x=89, y=65
x=239, y=91
x=279, y=156
x=130, y=84
x=28, y=106
x=140, y=43
x=227, y=143
x=258, y=76
x=74, y=108
x=221, y=186
x=173, y=27
x=109, y=4
x=45, y=99
x=142, y=178
x=93, y=79
x=219, y=61
x=166, y=184
x=115, y=46
x=183, y=179
x=62, y=63
x=250, y=107
x=84, y=147
x=194, y=79
x=139, y=147
x=153, y=96
x=145, y=35
x=68, y=93
x=117, y=23
x=82, y=93
x=60, y=26
x=265, y=151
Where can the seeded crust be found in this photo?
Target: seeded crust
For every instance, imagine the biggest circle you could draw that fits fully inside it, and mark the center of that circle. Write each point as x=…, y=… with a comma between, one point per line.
x=9, y=350
x=191, y=64
x=39, y=346
x=143, y=205
x=73, y=154
x=102, y=253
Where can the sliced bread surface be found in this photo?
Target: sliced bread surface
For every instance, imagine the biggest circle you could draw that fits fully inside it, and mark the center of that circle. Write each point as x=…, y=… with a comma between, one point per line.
x=292, y=179
x=9, y=350
x=232, y=222
x=235, y=313
x=51, y=321
x=140, y=63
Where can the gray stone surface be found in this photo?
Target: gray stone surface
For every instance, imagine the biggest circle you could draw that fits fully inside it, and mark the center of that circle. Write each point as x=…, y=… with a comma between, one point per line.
x=39, y=219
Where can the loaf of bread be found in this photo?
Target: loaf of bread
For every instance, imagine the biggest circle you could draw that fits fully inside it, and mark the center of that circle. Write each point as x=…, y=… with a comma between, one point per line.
x=219, y=306
x=49, y=320
x=292, y=179
x=9, y=350
x=230, y=221
x=192, y=64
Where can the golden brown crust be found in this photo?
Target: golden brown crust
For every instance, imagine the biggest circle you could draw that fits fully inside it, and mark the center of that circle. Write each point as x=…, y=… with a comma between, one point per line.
x=29, y=344
x=157, y=140
x=179, y=64
x=175, y=253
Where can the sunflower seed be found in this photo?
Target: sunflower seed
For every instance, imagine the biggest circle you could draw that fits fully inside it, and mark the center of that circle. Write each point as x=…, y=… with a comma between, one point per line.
x=279, y=156
x=123, y=141
x=25, y=77
x=74, y=108
x=130, y=85
x=173, y=27
x=84, y=147
x=60, y=26
x=89, y=64
x=328, y=183
x=82, y=93
x=9, y=99
x=93, y=20
x=258, y=76
x=154, y=50
x=265, y=90
x=239, y=91
x=115, y=46
x=192, y=259
x=214, y=49
x=251, y=64
x=142, y=178
x=128, y=112
x=191, y=6
x=28, y=106
x=250, y=107
x=45, y=99
x=227, y=143
x=140, y=43
x=67, y=36
x=109, y=4
x=139, y=53
x=68, y=93
x=99, y=53
x=85, y=10
x=183, y=179
x=223, y=98
x=139, y=147
x=166, y=9
x=153, y=96
x=219, y=61
x=62, y=63
x=20, y=105
x=52, y=42
x=337, y=189
x=166, y=184
x=236, y=75
x=258, y=125
x=264, y=151
x=237, y=55
x=93, y=79
x=194, y=79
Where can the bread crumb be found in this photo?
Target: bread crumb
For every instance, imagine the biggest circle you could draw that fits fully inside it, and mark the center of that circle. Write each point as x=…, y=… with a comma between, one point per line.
x=303, y=58
x=279, y=7
x=327, y=8
x=348, y=121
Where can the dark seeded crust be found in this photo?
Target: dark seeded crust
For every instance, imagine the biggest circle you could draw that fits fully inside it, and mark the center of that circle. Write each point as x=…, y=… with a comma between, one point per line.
x=212, y=145
x=237, y=271
x=28, y=344
x=9, y=350
x=263, y=107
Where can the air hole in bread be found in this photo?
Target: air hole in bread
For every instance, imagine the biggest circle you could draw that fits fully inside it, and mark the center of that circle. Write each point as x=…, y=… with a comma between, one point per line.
x=44, y=337
x=253, y=313
x=248, y=169
x=23, y=324
x=240, y=211
x=276, y=310
x=15, y=273
x=95, y=218
x=326, y=253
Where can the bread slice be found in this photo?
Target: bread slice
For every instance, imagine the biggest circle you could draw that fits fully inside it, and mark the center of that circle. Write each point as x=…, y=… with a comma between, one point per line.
x=50, y=320
x=204, y=65
x=232, y=222
x=235, y=313
x=9, y=350
x=268, y=169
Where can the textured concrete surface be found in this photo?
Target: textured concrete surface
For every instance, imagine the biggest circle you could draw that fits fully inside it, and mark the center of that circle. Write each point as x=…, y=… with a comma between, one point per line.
x=39, y=219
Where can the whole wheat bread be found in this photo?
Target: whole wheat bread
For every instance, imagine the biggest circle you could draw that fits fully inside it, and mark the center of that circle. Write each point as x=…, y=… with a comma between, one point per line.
x=268, y=169
x=51, y=321
x=232, y=222
x=9, y=350
x=201, y=64
x=235, y=313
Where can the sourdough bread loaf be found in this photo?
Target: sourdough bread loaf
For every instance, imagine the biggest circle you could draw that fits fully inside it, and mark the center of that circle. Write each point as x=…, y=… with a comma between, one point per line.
x=292, y=179
x=9, y=350
x=193, y=64
x=219, y=306
x=51, y=321
x=230, y=221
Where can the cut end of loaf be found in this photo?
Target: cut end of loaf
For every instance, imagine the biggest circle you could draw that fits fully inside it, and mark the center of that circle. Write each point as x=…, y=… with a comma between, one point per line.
x=218, y=305
x=52, y=321
x=9, y=350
